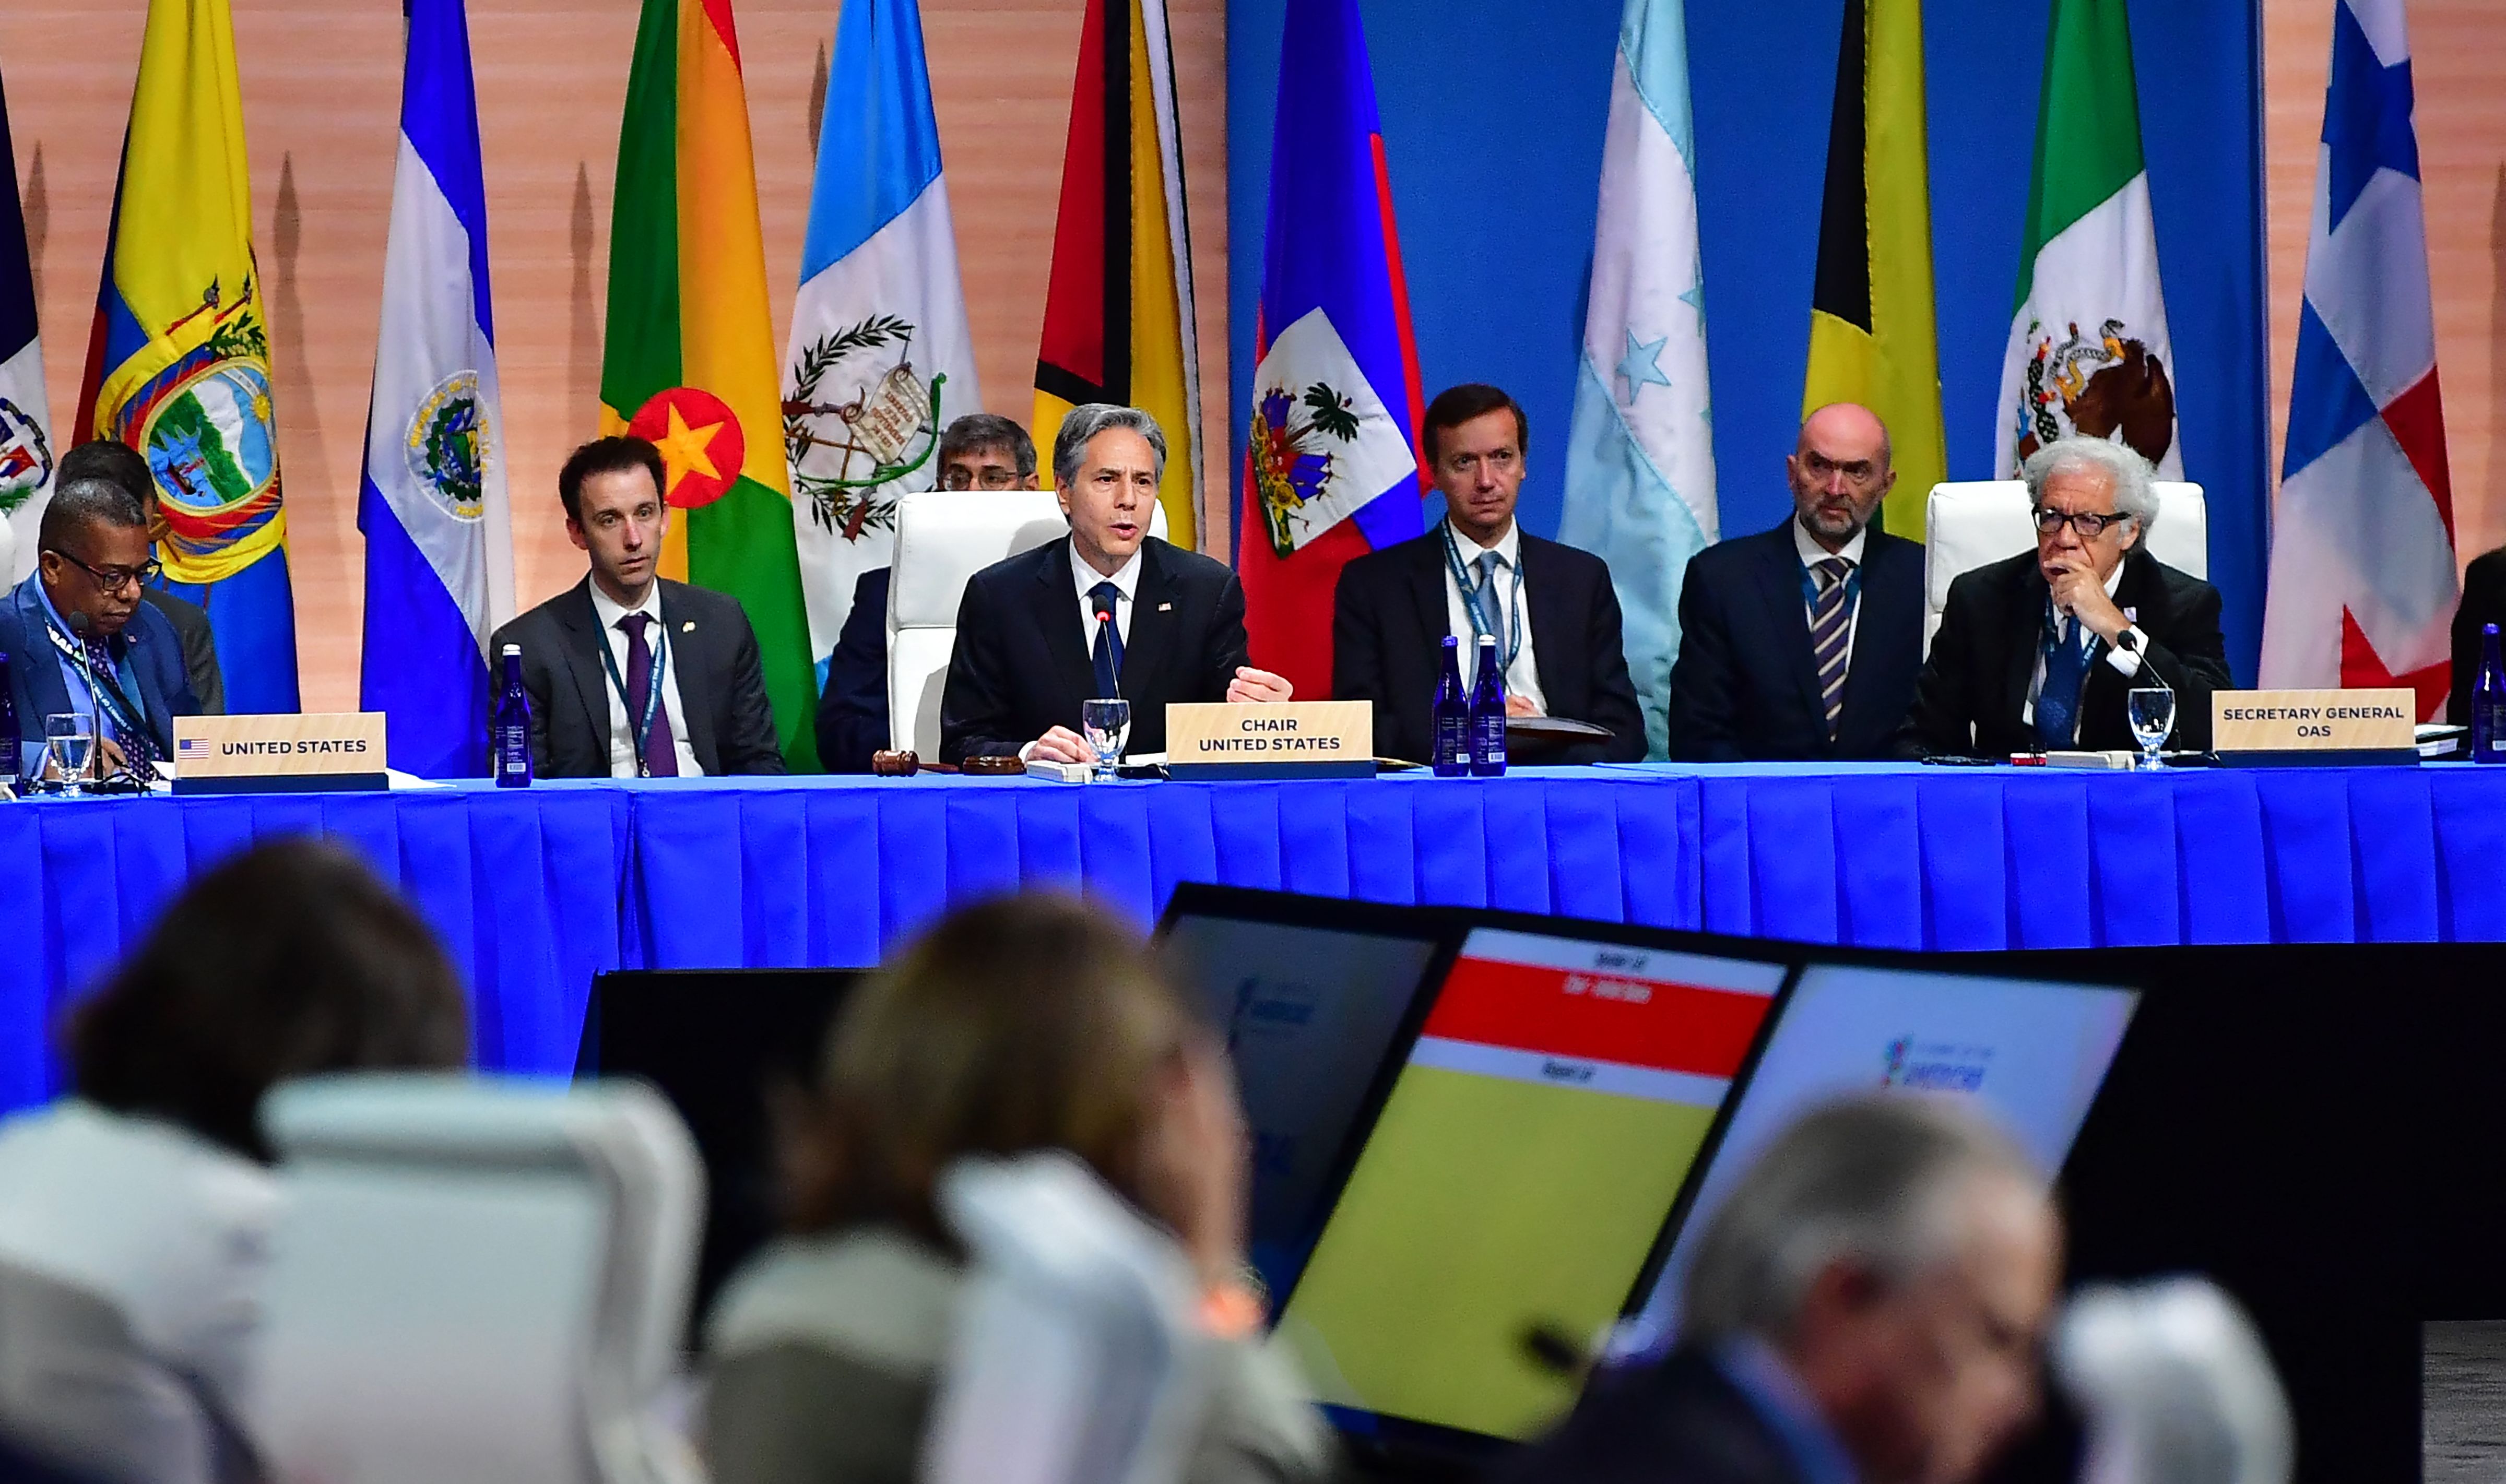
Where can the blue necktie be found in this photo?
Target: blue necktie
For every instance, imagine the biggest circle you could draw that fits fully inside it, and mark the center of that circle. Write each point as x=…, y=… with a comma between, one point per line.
x=2057, y=700
x=1109, y=642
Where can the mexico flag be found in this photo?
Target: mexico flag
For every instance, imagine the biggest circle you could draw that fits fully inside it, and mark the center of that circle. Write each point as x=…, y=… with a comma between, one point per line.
x=691, y=362
x=2087, y=350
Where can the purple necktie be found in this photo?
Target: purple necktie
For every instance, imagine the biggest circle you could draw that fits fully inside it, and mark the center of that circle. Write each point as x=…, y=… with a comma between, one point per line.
x=100, y=662
x=661, y=749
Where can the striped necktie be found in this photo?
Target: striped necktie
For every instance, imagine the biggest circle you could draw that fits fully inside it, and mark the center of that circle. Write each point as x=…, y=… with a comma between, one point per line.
x=1830, y=620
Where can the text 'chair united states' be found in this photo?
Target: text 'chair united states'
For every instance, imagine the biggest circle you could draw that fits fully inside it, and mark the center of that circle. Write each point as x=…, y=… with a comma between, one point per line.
x=1971, y=525
x=477, y=1279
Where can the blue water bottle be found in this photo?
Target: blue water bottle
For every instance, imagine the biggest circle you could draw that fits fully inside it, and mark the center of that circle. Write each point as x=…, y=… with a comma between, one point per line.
x=512, y=733
x=1488, y=714
x=2489, y=702
x=1453, y=714
x=10, y=756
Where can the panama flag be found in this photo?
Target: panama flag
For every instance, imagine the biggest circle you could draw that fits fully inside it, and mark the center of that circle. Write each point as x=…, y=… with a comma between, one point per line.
x=1640, y=456
x=2363, y=584
x=439, y=537
x=26, y=443
x=2087, y=350
x=1331, y=461
x=879, y=359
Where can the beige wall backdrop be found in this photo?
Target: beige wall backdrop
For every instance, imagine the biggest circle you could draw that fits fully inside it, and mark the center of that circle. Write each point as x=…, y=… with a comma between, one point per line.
x=321, y=102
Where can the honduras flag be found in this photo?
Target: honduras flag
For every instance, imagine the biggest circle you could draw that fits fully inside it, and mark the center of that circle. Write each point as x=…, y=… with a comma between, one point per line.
x=1640, y=456
x=439, y=537
x=881, y=360
x=2363, y=586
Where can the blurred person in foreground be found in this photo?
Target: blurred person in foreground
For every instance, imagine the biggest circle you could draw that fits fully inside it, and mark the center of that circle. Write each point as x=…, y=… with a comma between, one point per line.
x=150, y=1187
x=1024, y=1023
x=1869, y=1306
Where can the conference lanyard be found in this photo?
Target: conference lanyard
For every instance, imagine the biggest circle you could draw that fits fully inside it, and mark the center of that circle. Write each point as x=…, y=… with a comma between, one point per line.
x=101, y=689
x=1482, y=623
x=637, y=731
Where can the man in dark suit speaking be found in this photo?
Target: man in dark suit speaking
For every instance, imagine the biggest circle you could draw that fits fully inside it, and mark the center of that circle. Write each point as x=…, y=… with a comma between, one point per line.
x=1551, y=608
x=2035, y=653
x=631, y=675
x=1800, y=644
x=1034, y=632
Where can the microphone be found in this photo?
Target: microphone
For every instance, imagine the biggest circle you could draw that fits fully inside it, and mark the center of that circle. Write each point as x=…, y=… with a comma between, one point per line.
x=78, y=625
x=1105, y=617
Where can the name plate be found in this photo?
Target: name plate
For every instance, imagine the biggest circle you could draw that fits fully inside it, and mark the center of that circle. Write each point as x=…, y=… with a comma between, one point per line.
x=2314, y=727
x=1292, y=739
x=317, y=752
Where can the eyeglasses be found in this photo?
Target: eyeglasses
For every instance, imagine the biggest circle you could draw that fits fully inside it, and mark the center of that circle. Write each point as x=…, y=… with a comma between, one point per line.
x=990, y=476
x=114, y=579
x=2089, y=524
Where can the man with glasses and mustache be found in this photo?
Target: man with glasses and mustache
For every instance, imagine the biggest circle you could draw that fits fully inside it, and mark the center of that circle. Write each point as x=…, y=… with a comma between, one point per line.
x=2035, y=653
x=79, y=638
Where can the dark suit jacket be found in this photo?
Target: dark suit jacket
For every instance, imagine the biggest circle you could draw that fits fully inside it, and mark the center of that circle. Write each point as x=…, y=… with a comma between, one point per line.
x=36, y=688
x=1679, y=1422
x=199, y=648
x=1021, y=666
x=713, y=659
x=1974, y=685
x=2483, y=601
x=1745, y=687
x=852, y=708
x=1389, y=622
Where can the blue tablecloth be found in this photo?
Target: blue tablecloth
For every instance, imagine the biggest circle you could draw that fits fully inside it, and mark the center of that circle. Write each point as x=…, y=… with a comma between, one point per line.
x=536, y=891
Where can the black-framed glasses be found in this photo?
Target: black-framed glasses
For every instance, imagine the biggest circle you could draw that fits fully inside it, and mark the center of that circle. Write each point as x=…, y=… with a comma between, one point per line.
x=2089, y=523
x=114, y=579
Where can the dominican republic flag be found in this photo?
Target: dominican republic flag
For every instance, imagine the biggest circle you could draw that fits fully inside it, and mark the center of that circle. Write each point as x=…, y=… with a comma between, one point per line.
x=2363, y=584
x=1640, y=456
x=881, y=361
x=439, y=537
x=25, y=441
x=1331, y=461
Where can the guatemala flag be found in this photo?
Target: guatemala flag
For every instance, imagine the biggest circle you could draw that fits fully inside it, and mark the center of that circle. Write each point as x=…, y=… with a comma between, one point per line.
x=439, y=538
x=880, y=359
x=1331, y=463
x=1640, y=457
x=2363, y=584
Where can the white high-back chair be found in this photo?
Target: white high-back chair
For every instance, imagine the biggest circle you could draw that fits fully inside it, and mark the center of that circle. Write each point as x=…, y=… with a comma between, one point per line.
x=1970, y=525
x=477, y=1279
x=2175, y=1386
x=943, y=538
x=78, y=1392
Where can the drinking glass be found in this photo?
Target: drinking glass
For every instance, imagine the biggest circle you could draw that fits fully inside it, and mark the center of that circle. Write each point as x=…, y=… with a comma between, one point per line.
x=1108, y=724
x=2152, y=714
x=70, y=737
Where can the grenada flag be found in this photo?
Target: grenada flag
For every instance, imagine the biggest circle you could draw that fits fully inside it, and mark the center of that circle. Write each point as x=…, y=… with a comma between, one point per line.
x=691, y=360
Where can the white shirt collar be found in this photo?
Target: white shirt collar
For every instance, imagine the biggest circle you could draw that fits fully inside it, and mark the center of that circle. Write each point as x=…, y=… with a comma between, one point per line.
x=1126, y=577
x=1507, y=547
x=2114, y=580
x=1813, y=553
x=609, y=612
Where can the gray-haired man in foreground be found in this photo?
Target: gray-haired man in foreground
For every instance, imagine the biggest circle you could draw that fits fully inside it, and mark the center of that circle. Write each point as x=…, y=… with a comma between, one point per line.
x=1866, y=1307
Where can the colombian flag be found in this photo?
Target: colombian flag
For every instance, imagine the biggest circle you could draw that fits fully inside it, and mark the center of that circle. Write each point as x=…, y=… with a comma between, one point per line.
x=178, y=363
x=691, y=360
x=1117, y=324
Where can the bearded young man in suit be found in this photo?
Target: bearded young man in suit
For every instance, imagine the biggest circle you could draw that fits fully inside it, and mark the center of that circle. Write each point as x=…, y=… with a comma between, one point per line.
x=1033, y=640
x=1551, y=608
x=631, y=675
x=1801, y=644
x=2036, y=653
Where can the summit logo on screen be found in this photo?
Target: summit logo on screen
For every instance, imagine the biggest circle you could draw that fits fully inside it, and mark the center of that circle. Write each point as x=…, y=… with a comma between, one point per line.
x=1938, y=1067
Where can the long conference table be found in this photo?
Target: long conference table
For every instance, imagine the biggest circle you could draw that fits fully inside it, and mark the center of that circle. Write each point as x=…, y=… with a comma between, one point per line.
x=535, y=890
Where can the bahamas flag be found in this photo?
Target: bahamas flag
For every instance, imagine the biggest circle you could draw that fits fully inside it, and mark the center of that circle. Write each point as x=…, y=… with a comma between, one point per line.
x=439, y=536
x=178, y=364
x=691, y=362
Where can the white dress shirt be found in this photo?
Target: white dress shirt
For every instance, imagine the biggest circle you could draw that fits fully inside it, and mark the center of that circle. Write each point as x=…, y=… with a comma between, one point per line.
x=1522, y=677
x=1812, y=554
x=1125, y=580
x=621, y=730
x=2066, y=628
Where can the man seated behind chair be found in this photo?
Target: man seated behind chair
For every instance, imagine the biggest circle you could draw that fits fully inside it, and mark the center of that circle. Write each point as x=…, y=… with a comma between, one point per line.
x=1800, y=644
x=1549, y=607
x=118, y=463
x=2035, y=653
x=1030, y=645
x=629, y=674
x=80, y=638
x=980, y=451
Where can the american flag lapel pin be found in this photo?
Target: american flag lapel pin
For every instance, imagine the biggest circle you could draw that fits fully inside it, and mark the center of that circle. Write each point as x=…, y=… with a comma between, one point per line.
x=1165, y=607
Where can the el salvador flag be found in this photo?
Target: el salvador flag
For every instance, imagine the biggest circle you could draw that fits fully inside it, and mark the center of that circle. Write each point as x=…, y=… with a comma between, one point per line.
x=1640, y=455
x=439, y=538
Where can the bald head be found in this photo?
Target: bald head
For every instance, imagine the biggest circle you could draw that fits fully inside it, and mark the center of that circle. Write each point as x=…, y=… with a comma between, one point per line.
x=1839, y=471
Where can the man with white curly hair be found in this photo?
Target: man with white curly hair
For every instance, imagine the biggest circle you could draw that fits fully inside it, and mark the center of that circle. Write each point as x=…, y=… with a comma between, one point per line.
x=2035, y=653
